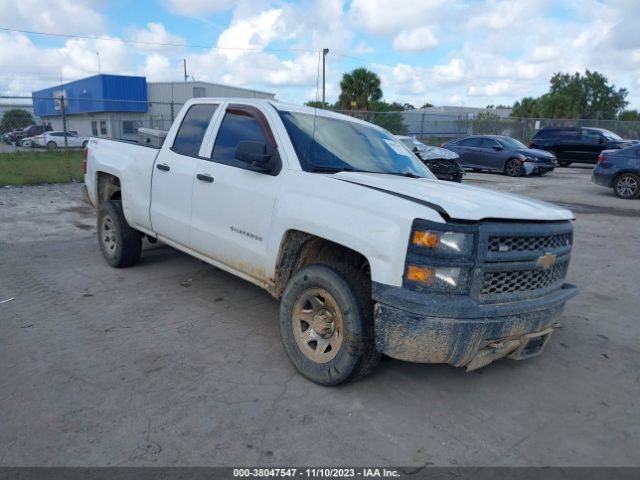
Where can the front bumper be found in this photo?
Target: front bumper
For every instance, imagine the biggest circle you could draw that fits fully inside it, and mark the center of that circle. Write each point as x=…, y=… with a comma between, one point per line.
x=417, y=328
x=538, y=167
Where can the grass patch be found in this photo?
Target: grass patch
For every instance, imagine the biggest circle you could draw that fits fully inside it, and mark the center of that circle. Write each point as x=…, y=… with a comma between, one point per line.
x=34, y=168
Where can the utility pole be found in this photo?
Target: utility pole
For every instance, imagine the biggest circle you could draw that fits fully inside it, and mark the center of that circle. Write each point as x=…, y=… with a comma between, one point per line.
x=98, y=55
x=184, y=63
x=324, y=54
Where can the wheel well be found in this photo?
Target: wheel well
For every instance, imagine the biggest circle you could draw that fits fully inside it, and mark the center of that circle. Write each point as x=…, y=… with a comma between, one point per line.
x=108, y=187
x=298, y=249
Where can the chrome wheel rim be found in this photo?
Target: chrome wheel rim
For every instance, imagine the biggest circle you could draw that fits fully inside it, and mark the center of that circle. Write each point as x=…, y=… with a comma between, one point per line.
x=627, y=186
x=318, y=325
x=108, y=236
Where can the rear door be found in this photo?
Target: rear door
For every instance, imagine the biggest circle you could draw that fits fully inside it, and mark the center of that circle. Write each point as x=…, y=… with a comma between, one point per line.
x=592, y=145
x=174, y=173
x=468, y=151
x=232, y=203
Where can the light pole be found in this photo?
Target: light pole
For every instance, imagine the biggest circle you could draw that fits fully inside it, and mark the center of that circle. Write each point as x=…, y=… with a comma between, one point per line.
x=324, y=54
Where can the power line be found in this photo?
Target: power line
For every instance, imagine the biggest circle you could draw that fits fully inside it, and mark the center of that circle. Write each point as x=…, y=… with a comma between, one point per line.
x=156, y=44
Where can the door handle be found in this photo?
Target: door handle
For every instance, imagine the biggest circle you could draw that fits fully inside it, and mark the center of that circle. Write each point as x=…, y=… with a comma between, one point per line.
x=163, y=166
x=204, y=177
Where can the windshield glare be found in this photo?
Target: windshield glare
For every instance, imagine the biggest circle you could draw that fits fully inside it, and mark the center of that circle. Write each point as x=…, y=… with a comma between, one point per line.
x=610, y=135
x=511, y=143
x=340, y=145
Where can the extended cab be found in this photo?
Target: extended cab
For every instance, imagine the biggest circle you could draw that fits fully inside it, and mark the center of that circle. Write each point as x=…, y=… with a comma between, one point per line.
x=368, y=252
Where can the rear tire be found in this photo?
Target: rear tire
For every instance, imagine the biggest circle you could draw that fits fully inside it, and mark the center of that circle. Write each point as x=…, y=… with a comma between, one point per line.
x=326, y=324
x=514, y=168
x=52, y=145
x=627, y=186
x=120, y=244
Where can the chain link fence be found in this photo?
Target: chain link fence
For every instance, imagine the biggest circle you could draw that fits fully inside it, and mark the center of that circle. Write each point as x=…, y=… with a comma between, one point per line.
x=437, y=128
x=64, y=128
x=70, y=122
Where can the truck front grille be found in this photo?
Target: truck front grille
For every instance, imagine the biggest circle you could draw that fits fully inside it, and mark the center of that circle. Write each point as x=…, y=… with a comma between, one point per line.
x=510, y=281
x=498, y=243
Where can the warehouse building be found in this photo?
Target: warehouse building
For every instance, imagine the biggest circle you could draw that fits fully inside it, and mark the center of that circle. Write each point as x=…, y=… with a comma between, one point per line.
x=116, y=106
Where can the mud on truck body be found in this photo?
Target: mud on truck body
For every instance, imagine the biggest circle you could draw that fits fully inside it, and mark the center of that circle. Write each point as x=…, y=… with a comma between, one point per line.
x=367, y=251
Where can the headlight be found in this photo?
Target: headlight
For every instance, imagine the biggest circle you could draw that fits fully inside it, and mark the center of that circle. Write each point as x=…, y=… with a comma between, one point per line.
x=448, y=243
x=438, y=278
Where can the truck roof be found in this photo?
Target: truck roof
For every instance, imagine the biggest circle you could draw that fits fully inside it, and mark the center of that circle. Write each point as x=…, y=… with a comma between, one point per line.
x=287, y=107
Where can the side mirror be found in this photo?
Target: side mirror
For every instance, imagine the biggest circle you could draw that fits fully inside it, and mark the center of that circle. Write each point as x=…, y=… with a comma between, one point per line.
x=600, y=140
x=498, y=147
x=256, y=154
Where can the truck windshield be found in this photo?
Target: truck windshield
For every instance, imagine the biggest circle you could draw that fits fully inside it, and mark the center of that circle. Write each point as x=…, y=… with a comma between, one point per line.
x=342, y=145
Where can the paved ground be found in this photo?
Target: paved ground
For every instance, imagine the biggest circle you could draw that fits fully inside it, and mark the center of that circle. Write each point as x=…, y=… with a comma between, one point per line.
x=174, y=362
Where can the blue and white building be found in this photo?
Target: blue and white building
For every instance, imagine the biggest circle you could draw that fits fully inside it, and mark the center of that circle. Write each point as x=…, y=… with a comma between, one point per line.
x=117, y=105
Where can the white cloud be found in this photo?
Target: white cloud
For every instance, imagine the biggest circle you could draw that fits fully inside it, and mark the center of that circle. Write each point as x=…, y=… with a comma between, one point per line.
x=415, y=40
x=75, y=59
x=158, y=68
x=546, y=53
x=505, y=14
x=490, y=89
x=198, y=7
x=387, y=17
x=252, y=33
x=452, y=72
x=409, y=80
x=155, y=38
x=55, y=16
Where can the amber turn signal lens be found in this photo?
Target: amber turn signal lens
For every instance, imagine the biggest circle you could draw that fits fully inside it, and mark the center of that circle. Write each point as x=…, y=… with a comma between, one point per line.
x=425, y=239
x=419, y=274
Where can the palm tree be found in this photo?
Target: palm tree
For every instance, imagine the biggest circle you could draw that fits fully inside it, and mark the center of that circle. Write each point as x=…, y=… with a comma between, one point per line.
x=359, y=88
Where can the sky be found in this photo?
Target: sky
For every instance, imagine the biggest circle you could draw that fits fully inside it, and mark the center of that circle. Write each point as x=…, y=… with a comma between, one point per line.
x=446, y=52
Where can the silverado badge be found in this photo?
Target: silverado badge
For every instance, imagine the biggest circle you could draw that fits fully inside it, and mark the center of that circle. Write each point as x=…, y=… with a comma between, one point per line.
x=546, y=261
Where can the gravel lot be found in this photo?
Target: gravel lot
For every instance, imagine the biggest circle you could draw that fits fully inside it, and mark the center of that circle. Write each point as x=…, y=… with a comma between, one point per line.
x=174, y=362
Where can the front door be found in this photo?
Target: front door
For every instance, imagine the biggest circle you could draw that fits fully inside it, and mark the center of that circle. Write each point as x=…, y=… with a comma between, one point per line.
x=233, y=203
x=491, y=154
x=174, y=173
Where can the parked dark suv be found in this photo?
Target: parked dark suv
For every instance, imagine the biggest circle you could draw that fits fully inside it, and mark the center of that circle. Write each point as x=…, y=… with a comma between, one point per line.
x=577, y=144
x=30, y=131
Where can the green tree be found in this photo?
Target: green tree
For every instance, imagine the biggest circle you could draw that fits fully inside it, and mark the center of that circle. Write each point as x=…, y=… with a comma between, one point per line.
x=427, y=105
x=575, y=96
x=318, y=104
x=630, y=116
x=387, y=116
x=16, y=118
x=358, y=89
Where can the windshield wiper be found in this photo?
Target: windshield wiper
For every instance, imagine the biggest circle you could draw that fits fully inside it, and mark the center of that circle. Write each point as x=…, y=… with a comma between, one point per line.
x=327, y=169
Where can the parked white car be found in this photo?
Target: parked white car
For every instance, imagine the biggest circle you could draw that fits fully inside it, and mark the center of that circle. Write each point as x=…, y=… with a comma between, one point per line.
x=52, y=140
x=26, y=142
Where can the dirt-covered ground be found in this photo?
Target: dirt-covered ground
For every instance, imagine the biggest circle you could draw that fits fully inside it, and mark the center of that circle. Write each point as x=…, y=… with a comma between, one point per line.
x=174, y=362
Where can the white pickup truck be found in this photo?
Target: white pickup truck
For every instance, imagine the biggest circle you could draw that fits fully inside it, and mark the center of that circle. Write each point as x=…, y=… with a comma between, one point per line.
x=368, y=252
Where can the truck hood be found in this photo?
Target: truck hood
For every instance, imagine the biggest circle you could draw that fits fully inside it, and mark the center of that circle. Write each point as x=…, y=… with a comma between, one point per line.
x=462, y=202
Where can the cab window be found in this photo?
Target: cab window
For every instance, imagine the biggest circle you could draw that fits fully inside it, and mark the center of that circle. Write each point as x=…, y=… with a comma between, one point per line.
x=192, y=130
x=237, y=126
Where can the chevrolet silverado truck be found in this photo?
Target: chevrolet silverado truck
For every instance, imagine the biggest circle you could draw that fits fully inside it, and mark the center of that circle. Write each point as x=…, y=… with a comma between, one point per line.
x=368, y=252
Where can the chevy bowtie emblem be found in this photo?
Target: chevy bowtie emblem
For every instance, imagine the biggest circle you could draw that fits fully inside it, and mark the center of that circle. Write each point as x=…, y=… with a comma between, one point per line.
x=546, y=261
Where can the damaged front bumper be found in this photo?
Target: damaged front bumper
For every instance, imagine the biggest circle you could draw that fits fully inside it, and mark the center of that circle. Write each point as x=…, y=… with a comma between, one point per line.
x=427, y=328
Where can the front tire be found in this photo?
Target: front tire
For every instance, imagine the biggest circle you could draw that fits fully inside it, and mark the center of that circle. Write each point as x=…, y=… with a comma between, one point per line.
x=120, y=244
x=326, y=324
x=627, y=186
x=52, y=145
x=514, y=168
